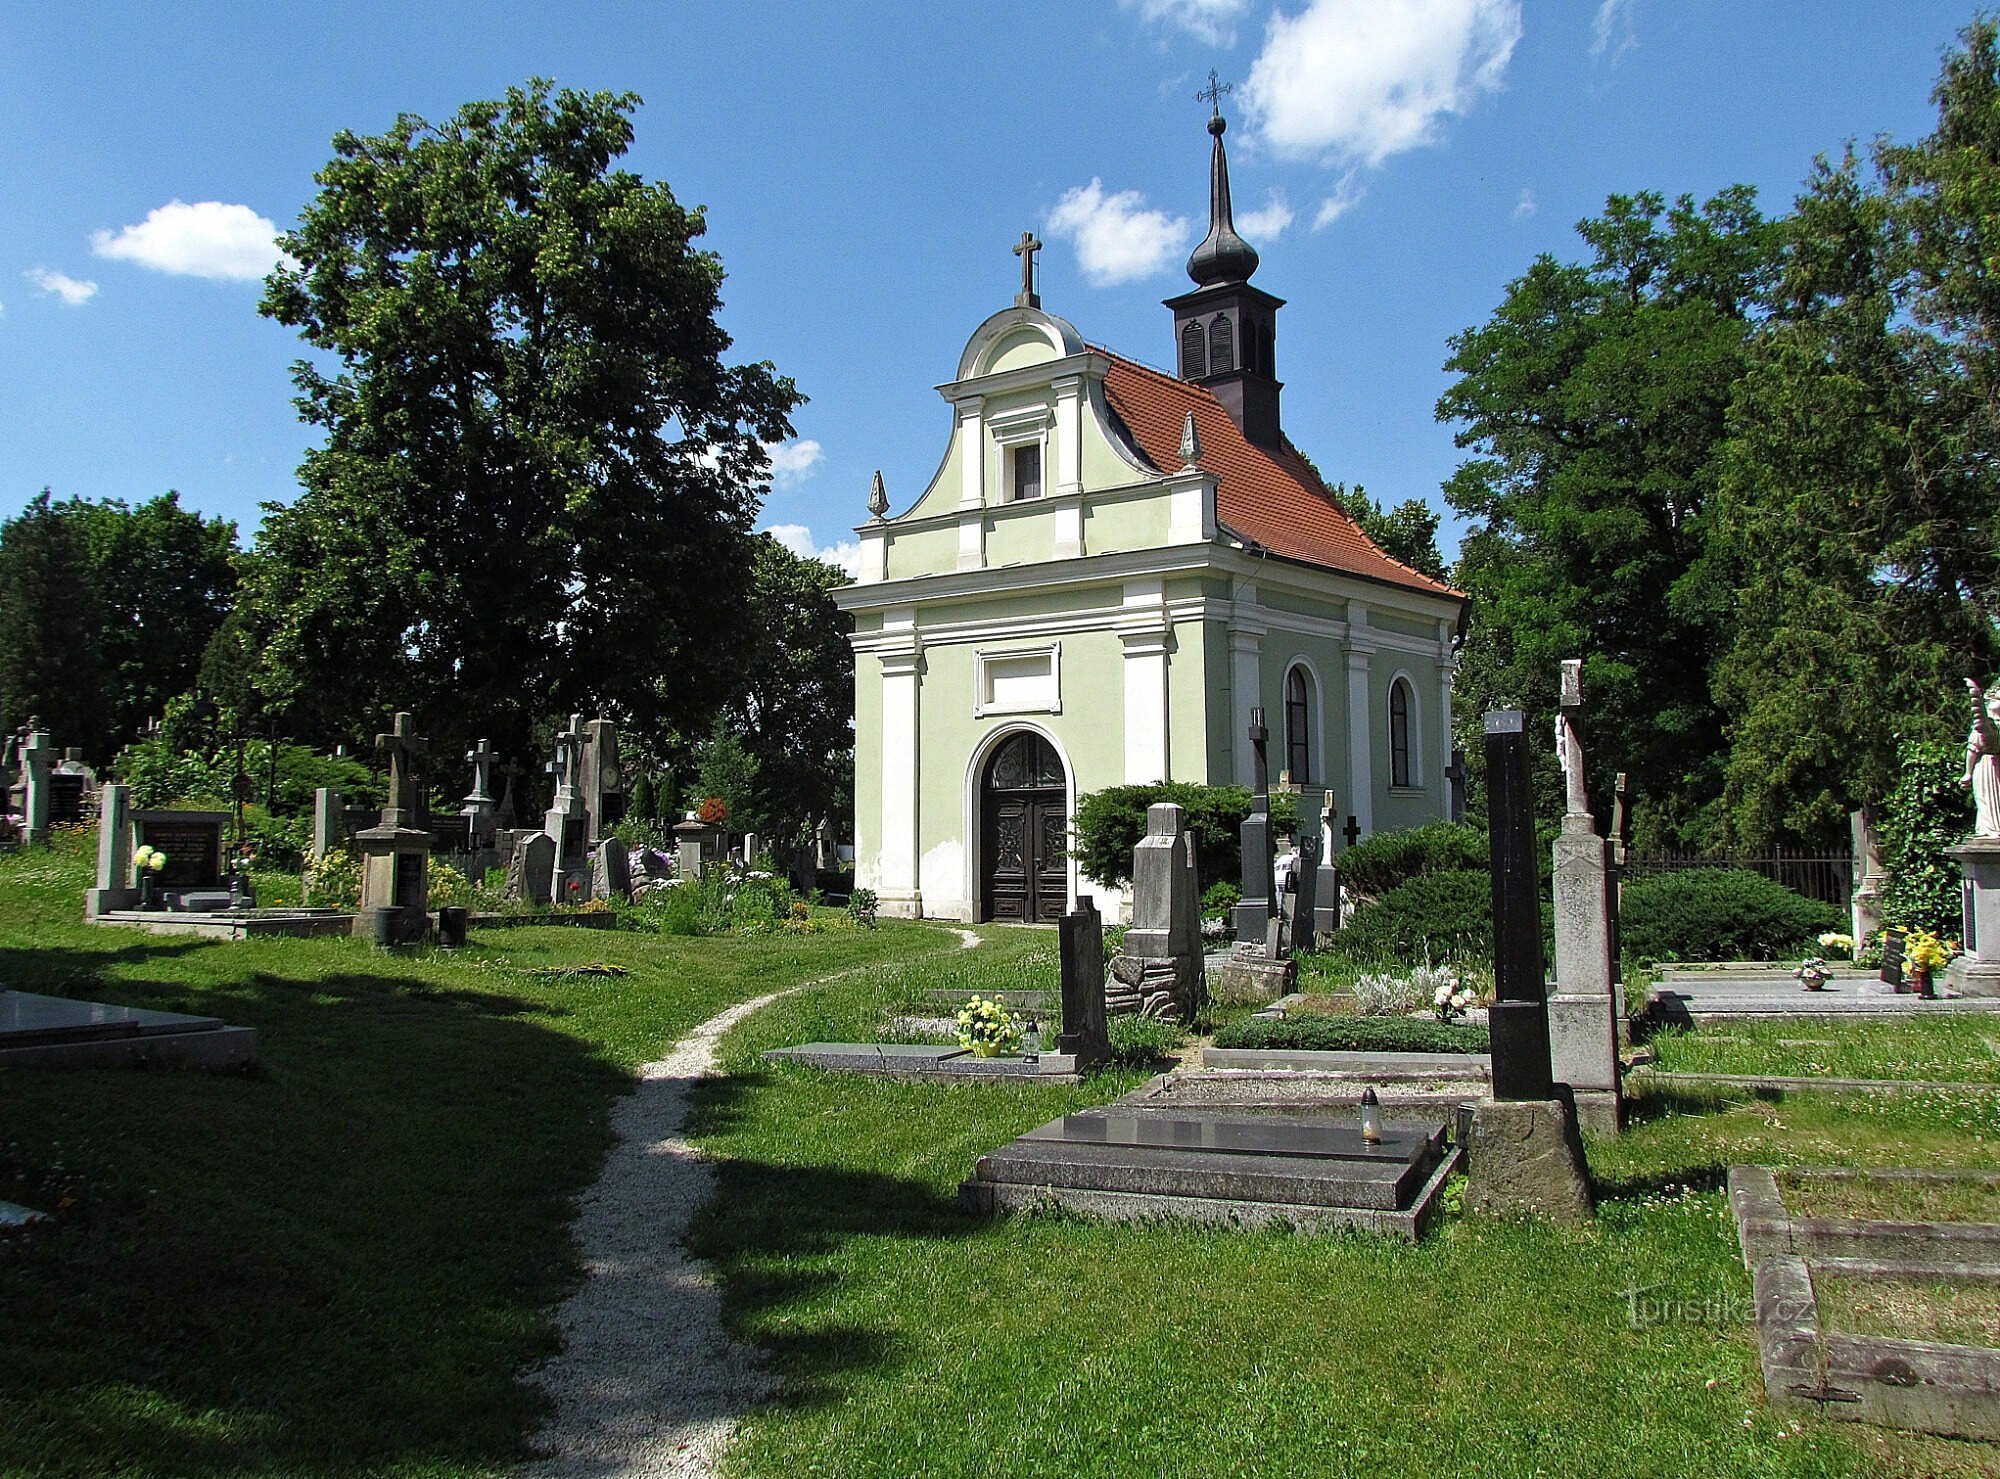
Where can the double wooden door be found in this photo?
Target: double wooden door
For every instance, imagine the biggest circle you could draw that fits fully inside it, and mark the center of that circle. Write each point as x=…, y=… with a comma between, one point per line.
x=1024, y=827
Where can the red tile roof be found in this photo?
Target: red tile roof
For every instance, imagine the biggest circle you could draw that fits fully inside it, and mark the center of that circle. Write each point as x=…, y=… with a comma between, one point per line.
x=1273, y=499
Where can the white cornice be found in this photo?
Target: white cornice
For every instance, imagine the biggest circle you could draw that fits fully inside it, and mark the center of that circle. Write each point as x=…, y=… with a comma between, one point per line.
x=1089, y=365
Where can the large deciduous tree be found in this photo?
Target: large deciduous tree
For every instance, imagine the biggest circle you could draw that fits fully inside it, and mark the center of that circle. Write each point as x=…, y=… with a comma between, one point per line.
x=1595, y=398
x=539, y=474
x=51, y=616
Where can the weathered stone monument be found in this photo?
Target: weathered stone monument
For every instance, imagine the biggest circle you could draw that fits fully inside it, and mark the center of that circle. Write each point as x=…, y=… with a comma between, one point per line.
x=826, y=857
x=191, y=843
x=1298, y=901
x=566, y=822
x=1583, y=1013
x=1524, y=1149
x=38, y=758
x=478, y=807
x=1454, y=776
x=1871, y=876
x=1084, y=1040
x=1259, y=968
x=116, y=887
x=1158, y=973
x=531, y=870
x=1326, y=886
x=601, y=779
x=611, y=871
x=396, y=852
x=1977, y=971
x=698, y=844
x=329, y=822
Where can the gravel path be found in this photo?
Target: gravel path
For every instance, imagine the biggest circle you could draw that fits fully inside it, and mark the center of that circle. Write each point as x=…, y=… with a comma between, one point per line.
x=648, y=1382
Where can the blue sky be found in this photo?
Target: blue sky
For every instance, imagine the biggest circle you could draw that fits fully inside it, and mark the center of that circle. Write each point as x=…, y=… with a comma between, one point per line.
x=866, y=168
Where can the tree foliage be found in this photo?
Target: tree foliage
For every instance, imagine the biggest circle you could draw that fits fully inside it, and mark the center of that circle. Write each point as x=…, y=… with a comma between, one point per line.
x=539, y=473
x=1407, y=532
x=104, y=613
x=1595, y=397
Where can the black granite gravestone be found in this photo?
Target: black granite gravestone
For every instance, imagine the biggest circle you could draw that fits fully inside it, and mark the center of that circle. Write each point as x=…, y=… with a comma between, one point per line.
x=1519, y=1020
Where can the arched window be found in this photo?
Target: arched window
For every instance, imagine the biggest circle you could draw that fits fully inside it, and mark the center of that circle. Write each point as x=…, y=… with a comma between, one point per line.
x=1399, y=733
x=1221, y=345
x=1194, y=361
x=1298, y=727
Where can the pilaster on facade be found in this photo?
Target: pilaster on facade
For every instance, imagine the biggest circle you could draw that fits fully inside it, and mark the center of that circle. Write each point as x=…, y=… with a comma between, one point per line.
x=1190, y=507
x=1069, y=440
x=874, y=558
x=902, y=689
x=1246, y=658
x=1068, y=524
x=1360, y=725
x=1147, y=635
x=1447, y=670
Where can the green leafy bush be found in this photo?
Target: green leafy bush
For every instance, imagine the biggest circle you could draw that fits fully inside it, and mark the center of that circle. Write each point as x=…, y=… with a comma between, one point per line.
x=1218, y=899
x=1312, y=1033
x=333, y=880
x=1927, y=811
x=1382, y=862
x=1720, y=914
x=1436, y=916
x=1111, y=822
x=1140, y=1042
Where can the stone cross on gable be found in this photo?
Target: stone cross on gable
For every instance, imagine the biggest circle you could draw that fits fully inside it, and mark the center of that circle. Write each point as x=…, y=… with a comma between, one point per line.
x=1025, y=249
x=481, y=760
x=1258, y=735
x=403, y=746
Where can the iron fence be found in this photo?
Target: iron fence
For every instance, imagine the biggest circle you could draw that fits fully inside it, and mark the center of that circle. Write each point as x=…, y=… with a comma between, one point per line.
x=1826, y=876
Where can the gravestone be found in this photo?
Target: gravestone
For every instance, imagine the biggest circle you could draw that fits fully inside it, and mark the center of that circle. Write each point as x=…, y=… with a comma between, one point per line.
x=72, y=788
x=1158, y=972
x=1084, y=1039
x=601, y=779
x=1256, y=906
x=751, y=845
x=37, y=761
x=329, y=822
x=1977, y=971
x=1326, y=887
x=611, y=871
x=1893, y=941
x=1871, y=876
x=1298, y=903
x=1454, y=777
x=477, y=807
x=1582, y=1015
x=531, y=871
x=191, y=842
x=826, y=859
x=566, y=822
x=1525, y=1154
x=116, y=887
x=396, y=852
x=699, y=843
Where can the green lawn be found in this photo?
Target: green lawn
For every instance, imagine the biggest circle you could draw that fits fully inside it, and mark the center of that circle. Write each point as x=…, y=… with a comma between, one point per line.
x=342, y=1262
x=1941, y=1049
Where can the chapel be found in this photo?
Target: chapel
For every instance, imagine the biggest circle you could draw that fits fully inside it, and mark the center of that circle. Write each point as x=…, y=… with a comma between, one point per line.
x=1111, y=569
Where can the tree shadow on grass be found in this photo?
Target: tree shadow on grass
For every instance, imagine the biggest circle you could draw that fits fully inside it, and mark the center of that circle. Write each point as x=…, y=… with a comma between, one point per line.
x=343, y=1261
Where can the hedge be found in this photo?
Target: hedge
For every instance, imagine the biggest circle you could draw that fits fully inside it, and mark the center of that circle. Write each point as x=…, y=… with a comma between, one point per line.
x=1382, y=862
x=1720, y=914
x=1111, y=822
x=1313, y=1033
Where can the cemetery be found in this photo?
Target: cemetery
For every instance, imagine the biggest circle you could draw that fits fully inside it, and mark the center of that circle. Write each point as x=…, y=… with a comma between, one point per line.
x=1148, y=971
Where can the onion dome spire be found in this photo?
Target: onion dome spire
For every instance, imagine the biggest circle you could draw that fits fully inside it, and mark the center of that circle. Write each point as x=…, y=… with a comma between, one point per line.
x=1223, y=256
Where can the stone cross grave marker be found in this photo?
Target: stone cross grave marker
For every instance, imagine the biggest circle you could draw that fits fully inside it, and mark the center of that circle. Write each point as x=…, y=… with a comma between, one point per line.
x=404, y=747
x=1256, y=906
x=38, y=757
x=1326, y=887
x=478, y=802
x=566, y=822
x=1454, y=776
x=1158, y=973
x=1518, y=1022
x=1583, y=1026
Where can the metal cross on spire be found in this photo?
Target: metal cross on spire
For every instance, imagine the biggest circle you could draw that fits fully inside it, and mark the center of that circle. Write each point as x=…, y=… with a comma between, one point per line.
x=1025, y=249
x=1215, y=92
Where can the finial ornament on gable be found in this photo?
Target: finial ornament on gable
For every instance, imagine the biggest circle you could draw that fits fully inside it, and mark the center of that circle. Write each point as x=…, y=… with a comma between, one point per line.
x=1025, y=249
x=878, y=496
x=1190, y=442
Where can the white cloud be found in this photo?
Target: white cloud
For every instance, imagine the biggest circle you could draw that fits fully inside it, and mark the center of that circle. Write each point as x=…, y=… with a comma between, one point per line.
x=1527, y=205
x=793, y=462
x=1210, y=21
x=1347, y=193
x=206, y=239
x=1359, y=80
x=1267, y=223
x=1612, y=30
x=58, y=285
x=797, y=538
x=1116, y=238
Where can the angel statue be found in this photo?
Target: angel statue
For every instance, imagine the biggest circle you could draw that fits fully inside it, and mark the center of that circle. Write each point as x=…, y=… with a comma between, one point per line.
x=1982, y=759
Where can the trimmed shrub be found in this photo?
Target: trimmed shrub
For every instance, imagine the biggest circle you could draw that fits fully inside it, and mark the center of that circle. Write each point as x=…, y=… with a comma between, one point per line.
x=1382, y=862
x=1140, y=1042
x=1111, y=822
x=1432, y=917
x=1720, y=914
x=1312, y=1033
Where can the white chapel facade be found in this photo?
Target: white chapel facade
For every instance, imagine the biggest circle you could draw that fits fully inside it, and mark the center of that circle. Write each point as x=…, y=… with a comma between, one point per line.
x=1112, y=567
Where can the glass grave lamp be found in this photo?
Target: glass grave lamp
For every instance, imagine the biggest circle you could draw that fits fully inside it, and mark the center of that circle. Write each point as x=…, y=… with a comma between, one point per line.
x=1371, y=1117
x=1031, y=1039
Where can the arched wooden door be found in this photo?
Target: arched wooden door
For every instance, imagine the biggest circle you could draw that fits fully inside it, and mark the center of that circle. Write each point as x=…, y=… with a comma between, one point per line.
x=1024, y=831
